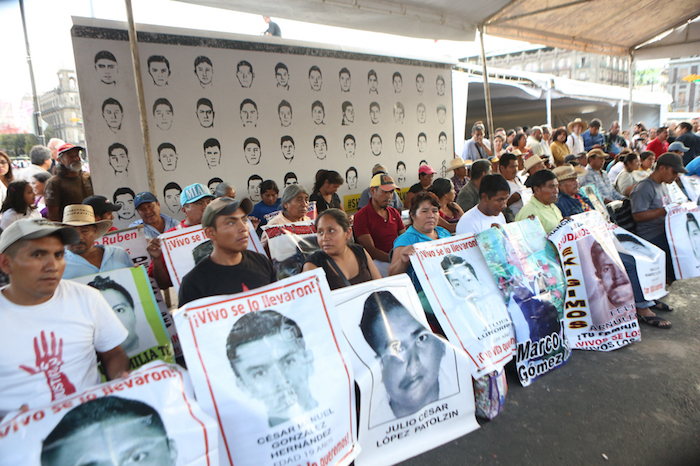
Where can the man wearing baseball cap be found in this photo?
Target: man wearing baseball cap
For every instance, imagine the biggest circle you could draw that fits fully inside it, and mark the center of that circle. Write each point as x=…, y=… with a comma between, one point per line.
x=84, y=257
x=425, y=179
x=377, y=224
x=51, y=330
x=194, y=200
x=365, y=196
x=69, y=185
x=231, y=268
x=595, y=175
x=154, y=222
x=104, y=210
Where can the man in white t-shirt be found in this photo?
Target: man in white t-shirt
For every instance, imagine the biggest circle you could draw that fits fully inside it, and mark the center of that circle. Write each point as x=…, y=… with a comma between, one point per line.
x=493, y=194
x=51, y=331
x=508, y=167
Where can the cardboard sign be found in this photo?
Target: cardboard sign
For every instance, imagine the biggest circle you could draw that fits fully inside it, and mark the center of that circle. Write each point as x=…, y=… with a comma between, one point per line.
x=600, y=312
x=150, y=415
x=415, y=387
x=683, y=236
x=466, y=300
x=528, y=274
x=272, y=366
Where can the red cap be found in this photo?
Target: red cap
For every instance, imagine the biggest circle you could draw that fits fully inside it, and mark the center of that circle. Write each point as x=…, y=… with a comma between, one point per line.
x=426, y=170
x=67, y=147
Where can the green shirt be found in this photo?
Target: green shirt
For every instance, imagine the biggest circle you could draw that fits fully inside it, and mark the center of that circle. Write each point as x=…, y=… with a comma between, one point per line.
x=549, y=215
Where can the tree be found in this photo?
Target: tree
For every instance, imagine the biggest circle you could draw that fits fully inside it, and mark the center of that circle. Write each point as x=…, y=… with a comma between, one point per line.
x=17, y=144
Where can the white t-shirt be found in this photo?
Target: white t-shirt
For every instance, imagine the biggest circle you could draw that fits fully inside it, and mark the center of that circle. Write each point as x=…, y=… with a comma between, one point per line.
x=74, y=323
x=474, y=221
x=516, y=186
x=10, y=216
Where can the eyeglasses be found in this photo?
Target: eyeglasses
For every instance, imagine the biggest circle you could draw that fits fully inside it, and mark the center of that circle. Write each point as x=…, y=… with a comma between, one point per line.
x=3, y=162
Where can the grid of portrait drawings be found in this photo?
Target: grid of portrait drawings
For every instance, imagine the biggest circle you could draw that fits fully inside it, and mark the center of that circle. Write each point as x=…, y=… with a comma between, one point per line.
x=224, y=109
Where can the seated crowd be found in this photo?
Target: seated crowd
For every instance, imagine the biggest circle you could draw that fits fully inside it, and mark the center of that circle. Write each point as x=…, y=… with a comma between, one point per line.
x=527, y=173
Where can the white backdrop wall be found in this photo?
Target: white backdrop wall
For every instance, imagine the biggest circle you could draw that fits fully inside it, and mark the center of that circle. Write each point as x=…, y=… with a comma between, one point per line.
x=235, y=119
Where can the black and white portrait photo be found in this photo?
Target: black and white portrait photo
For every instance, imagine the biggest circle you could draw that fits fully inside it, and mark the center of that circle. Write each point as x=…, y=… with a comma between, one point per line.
x=399, y=112
x=282, y=76
x=212, y=153
x=106, y=67
x=441, y=114
x=205, y=113
x=244, y=73
x=320, y=147
x=167, y=156
x=204, y=70
x=318, y=113
x=290, y=178
x=375, y=143
x=349, y=144
x=251, y=150
x=272, y=364
x=253, y=186
x=288, y=147
x=344, y=76
x=372, y=82
x=401, y=173
x=125, y=198
x=118, y=158
x=397, y=82
x=122, y=303
x=348, y=113
x=421, y=113
x=159, y=69
x=249, y=113
x=113, y=113
x=351, y=178
x=422, y=142
x=374, y=111
x=171, y=197
x=284, y=110
x=214, y=183
x=315, y=78
x=442, y=141
x=400, y=143
x=440, y=85
x=163, y=114
x=420, y=83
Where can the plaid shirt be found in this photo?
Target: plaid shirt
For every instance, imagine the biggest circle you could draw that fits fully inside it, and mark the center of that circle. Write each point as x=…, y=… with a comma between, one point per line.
x=459, y=183
x=602, y=182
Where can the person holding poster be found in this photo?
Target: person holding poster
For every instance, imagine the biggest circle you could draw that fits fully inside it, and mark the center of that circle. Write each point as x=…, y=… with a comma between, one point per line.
x=51, y=330
x=494, y=192
x=231, y=267
x=571, y=201
x=683, y=235
x=153, y=221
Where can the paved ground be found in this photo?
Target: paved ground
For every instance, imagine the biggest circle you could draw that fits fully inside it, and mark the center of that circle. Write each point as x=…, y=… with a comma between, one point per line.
x=639, y=405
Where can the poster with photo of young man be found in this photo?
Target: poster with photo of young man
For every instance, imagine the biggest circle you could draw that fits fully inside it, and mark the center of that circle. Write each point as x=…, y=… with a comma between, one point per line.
x=150, y=417
x=683, y=234
x=272, y=364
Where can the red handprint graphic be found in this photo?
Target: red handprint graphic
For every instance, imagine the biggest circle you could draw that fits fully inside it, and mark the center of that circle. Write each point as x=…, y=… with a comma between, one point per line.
x=49, y=361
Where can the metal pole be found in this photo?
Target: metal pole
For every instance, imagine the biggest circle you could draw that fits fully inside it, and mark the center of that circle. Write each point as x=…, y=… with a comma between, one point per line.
x=37, y=110
x=549, y=106
x=487, y=89
x=142, y=101
x=630, y=77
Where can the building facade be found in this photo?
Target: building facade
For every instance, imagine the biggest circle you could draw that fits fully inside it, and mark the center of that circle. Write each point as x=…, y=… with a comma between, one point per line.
x=685, y=93
x=60, y=108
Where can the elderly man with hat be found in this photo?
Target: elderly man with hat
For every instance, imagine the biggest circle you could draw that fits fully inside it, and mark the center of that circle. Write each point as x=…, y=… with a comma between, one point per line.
x=104, y=210
x=575, y=140
x=84, y=257
x=365, y=196
x=154, y=222
x=460, y=178
x=52, y=331
x=231, y=268
x=596, y=176
x=425, y=179
x=69, y=185
x=570, y=201
x=532, y=164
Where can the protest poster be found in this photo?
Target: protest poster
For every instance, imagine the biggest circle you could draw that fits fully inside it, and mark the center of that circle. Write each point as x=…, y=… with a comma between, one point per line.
x=128, y=292
x=691, y=183
x=600, y=312
x=271, y=365
x=184, y=248
x=466, y=300
x=676, y=193
x=148, y=417
x=650, y=261
x=415, y=387
x=525, y=267
x=290, y=244
x=683, y=235
x=591, y=192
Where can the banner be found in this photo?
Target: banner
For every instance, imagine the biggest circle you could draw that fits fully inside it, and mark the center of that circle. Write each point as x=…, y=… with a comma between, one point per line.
x=591, y=192
x=184, y=248
x=691, y=183
x=290, y=245
x=129, y=293
x=134, y=241
x=600, y=313
x=415, y=388
x=149, y=417
x=683, y=235
x=650, y=261
x=676, y=193
x=528, y=274
x=466, y=300
x=271, y=365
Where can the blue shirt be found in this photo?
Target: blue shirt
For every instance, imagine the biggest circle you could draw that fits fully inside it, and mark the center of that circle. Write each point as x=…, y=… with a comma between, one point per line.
x=472, y=151
x=261, y=209
x=150, y=231
x=114, y=258
x=589, y=140
x=693, y=166
x=413, y=236
x=571, y=206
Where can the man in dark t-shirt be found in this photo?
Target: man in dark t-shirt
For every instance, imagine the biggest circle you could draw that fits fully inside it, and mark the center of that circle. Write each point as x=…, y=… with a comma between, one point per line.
x=273, y=29
x=230, y=268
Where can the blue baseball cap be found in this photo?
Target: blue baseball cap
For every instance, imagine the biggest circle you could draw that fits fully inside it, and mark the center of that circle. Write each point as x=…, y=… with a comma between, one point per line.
x=193, y=193
x=142, y=198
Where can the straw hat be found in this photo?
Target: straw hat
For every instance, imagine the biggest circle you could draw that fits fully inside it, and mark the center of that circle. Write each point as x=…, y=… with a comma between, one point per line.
x=458, y=163
x=583, y=123
x=531, y=162
x=80, y=215
x=567, y=172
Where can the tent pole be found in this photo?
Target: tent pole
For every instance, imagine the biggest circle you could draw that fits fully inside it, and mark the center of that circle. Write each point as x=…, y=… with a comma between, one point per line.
x=549, y=106
x=141, y=100
x=631, y=86
x=487, y=89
